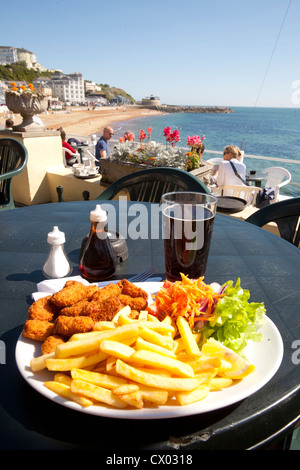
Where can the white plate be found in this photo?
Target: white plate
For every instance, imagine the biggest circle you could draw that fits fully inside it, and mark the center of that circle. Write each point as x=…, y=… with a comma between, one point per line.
x=265, y=355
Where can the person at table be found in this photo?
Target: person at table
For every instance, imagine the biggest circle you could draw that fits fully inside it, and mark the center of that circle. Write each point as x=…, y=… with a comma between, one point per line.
x=69, y=159
x=231, y=162
x=102, y=149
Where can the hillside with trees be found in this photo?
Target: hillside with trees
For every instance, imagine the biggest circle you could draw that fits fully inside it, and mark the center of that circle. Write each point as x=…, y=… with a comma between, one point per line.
x=19, y=72
x=112, y=92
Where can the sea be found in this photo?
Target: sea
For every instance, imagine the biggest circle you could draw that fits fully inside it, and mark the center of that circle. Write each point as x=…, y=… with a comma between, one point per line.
x=266, y=132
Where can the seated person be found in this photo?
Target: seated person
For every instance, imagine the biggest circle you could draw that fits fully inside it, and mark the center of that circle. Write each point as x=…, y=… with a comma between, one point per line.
x=69, y=159
x=226, y=173
x=102, y=149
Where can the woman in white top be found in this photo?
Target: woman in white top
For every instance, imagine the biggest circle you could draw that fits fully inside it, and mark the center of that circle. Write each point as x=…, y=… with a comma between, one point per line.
x=226, y=174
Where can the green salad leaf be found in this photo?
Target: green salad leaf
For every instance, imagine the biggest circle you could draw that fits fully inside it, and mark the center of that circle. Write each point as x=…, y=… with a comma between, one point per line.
x=236, y=320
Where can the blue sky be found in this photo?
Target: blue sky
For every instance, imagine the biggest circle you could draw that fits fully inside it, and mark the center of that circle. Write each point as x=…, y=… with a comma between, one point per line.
x=194, y=52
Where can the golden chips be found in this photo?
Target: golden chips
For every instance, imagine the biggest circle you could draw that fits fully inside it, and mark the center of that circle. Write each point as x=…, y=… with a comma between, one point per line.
x=139, y=363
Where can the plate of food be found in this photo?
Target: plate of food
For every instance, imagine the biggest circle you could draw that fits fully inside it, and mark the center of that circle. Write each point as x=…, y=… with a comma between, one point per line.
x=111, y=351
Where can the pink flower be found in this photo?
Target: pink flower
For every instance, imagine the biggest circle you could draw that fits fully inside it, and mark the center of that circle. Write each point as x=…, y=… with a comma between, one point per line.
x=194, y=140
x=167, y=131
x=170, y=136
x=121, y=139
x=142, y=135
x=175, y=137
x=129, y=136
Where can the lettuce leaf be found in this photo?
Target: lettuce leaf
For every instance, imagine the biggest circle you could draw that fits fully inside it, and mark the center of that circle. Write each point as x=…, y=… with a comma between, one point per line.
x=236, y=320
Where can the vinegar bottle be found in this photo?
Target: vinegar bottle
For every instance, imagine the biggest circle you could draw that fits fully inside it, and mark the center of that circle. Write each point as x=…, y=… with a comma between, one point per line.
x=98, y=261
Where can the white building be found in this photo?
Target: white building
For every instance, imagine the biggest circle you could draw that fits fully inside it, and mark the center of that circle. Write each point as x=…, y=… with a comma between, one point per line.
x=8, y=55
x=26, y=56
x=96, y=99
x=67, y=88
x=92, y=87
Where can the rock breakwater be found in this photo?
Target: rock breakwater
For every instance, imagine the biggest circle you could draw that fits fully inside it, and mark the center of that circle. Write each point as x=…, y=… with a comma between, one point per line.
x=165, y=108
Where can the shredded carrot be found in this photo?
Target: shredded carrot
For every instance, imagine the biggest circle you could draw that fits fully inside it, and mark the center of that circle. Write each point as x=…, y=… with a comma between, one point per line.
x=186, y=298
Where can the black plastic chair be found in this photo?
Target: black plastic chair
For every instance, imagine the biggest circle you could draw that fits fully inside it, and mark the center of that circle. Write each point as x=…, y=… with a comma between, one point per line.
x=286, y=215
x=13, y=160
x=149, y=185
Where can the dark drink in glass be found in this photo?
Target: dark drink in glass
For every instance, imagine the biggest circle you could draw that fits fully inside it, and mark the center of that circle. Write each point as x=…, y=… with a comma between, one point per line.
x=188, y=220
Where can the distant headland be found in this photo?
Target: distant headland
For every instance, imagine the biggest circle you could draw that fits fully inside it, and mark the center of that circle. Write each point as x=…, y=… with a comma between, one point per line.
x=165, y=108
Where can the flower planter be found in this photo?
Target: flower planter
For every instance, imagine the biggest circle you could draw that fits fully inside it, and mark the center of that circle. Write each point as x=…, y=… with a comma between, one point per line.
x=28, y=105
x=114, y=170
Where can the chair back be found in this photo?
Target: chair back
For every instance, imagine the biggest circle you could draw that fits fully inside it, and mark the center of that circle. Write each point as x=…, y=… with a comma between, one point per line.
x=276, y=178
x=68, y=152
x=13, y=160
x=149, y=185
x=248, y=193
x=285, y=214
x=215, y=162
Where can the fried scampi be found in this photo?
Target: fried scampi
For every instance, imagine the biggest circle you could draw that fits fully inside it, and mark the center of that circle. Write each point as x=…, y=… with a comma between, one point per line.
x=70, y=294
x=104, y=310
x=50, y=343
x=38, y=329
x=127, y=288
x=68, y=326
x=43, y=309
x=76, y=308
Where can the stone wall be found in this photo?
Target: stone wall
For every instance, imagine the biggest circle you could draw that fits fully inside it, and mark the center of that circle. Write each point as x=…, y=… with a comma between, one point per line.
x=191, y=109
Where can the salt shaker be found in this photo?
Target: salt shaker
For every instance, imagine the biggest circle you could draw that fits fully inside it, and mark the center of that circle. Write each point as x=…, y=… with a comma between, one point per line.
x=57, y=264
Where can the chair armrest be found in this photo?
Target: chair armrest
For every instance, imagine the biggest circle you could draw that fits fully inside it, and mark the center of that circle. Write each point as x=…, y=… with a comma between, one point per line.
x=108, y=193
x=73, y=154
x=283, y=183
x=15, y=172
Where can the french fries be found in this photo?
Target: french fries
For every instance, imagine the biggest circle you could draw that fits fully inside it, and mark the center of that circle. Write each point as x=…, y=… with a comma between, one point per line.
x=129, y=363
x=188, y=338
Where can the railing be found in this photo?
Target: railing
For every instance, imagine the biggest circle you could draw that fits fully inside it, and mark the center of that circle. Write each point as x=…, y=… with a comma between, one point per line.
x=259, y=157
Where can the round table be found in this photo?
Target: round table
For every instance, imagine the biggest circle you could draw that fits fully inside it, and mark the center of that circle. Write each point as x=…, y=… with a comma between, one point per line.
x=257, y=178
x=267, y=265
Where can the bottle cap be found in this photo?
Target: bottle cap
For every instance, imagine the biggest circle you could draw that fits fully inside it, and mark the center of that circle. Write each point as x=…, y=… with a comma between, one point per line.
x=98, y=214
x=56, y=237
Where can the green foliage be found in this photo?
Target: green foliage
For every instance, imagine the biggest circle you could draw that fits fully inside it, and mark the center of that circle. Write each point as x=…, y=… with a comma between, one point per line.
x=112, y=92
x=19, y=72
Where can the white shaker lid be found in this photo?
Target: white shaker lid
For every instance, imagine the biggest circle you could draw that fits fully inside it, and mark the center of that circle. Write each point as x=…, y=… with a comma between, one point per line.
x=56, y=237
x=98, y=214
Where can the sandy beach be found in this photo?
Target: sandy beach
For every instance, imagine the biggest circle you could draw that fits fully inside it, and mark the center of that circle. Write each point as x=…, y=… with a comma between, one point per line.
x=84, y=122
